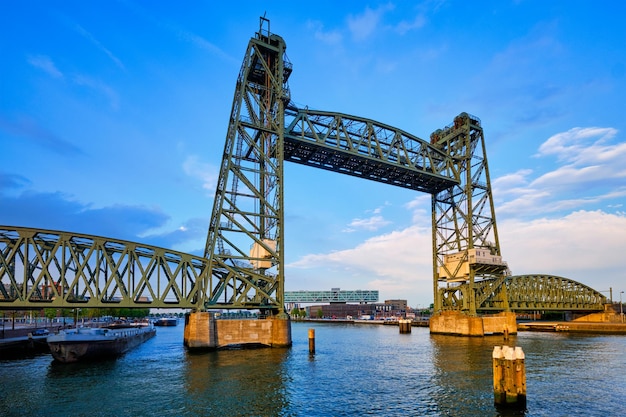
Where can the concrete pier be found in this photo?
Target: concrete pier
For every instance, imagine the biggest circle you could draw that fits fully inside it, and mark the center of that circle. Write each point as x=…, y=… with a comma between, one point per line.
x=203, y=331
x=460, y=324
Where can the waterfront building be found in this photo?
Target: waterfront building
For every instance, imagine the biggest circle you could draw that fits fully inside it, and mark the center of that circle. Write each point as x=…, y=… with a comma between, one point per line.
x=390, y=309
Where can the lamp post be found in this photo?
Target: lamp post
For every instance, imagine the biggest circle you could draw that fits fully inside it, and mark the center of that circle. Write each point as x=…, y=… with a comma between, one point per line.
x=621, y=307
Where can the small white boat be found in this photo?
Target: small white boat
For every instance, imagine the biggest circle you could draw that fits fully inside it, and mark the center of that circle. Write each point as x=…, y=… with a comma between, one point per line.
x=87, y=343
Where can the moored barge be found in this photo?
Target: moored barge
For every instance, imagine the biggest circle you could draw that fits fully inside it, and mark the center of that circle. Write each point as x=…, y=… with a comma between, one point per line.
x=86, y=343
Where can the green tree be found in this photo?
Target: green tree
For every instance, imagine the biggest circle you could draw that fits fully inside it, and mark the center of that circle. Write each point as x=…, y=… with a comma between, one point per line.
x=50, y=313
x=295, y=312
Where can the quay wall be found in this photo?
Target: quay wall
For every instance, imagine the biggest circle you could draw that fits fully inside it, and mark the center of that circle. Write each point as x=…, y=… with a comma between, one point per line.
x=573, y=327
x=22, y=345
x=612, y=314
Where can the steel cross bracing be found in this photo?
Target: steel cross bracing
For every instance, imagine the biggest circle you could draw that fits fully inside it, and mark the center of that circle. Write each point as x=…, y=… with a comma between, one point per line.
x=243, y=263
x=245, y=243
x=466, y=248
x=47, y=269
x=366, y=149
x=538, y=293
x=52, y=269
x=245, y=239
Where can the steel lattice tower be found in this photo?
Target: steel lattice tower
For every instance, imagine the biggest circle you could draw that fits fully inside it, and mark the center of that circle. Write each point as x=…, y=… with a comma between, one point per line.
x=245, y=239
x=466, y=248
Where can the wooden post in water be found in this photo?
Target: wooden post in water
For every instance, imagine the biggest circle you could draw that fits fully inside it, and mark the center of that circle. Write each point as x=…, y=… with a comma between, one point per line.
x=405, y=326
x=509, y=376
x=312, y=341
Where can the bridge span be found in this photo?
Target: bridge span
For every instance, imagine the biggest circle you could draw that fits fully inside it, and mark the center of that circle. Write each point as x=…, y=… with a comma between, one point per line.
x=243, y=262
x=53, y=269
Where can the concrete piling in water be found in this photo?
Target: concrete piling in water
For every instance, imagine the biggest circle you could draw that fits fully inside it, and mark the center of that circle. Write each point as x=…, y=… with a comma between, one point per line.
x=509, y=376
x=312, y=341
x=405, y=326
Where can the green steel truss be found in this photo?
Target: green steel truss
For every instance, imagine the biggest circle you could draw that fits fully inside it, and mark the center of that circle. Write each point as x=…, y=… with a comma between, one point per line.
x=245, y=244
x=67, y=270
x=243, y=262
x=538, y=293
x=245, y=239
x=44, y=268
x=366, y=149
x=466, y=248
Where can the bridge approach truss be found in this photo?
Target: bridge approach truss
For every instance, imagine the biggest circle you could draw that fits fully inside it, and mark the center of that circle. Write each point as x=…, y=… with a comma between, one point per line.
x=52, y=269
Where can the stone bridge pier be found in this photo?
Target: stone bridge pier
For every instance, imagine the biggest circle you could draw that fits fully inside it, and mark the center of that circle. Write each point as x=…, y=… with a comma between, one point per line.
x=204, y=332
x=460, y=324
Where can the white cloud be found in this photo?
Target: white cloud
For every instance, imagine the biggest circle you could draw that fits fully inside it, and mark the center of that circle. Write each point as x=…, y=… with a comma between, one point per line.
x=399, y=264
x=371, y=224
x=207, y=173
x=99, y=87
x=592, y=173
x=406, y=26
x=99, y=45
x=363, y=25
x=420, y=207
x=584, y=246
x=578, y=246
x=579, y=144
x=588, y=155
x=331, y=37
x=45, y=63
x=512, y=181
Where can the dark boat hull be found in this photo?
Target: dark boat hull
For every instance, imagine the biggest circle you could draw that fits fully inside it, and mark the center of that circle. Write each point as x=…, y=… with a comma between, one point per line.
x=166, y=322
x=117, y=342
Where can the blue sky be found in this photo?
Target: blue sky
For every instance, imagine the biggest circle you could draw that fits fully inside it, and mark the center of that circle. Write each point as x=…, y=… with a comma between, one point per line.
x=113, y=117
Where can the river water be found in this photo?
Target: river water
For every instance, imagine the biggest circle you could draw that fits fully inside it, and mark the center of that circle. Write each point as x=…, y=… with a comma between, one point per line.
x=357, y=370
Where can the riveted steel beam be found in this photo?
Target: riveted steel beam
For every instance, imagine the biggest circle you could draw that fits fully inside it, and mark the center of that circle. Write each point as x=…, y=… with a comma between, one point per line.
x=53, y=269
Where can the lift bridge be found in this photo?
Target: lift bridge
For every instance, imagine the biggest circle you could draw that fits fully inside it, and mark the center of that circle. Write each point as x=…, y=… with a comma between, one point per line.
x=243, y=262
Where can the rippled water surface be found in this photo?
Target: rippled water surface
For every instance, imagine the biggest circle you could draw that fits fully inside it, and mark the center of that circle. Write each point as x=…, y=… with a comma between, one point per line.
x=357, y=370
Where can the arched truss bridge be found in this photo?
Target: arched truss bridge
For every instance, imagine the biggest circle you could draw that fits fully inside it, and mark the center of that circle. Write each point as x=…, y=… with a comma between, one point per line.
x=537, y=292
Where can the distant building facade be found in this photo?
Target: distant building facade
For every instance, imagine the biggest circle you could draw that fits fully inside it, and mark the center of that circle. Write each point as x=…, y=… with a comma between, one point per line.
x=375, y=311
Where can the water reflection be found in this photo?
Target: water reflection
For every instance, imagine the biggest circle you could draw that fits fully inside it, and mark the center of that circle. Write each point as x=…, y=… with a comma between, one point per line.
x=236, y=383
x=356, y=370
x=463, y=375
